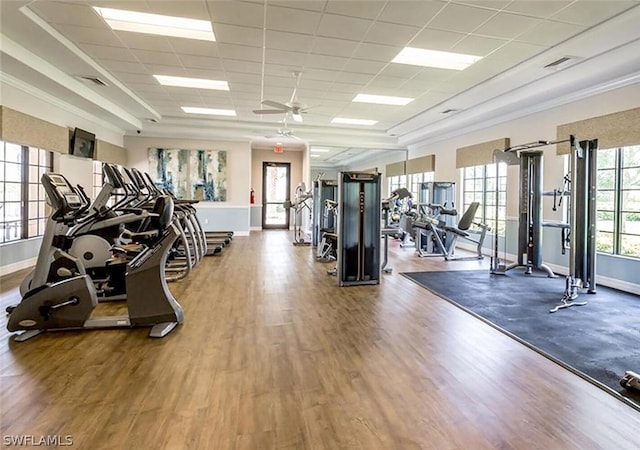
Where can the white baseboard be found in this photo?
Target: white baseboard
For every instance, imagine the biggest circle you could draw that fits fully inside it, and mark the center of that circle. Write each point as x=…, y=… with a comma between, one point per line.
x=14, y=267
x=241, y=233
x=614, y=283
x=255, y=229
x=621, y=285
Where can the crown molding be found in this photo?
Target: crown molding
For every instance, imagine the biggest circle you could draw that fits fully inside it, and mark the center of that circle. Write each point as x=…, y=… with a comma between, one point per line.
x=57, y=102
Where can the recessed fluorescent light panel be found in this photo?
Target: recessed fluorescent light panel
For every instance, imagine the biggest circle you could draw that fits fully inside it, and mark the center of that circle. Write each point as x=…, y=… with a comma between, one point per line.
x=320, y=150
x=199, y=83
x=434, y=58
x=137, y=22
x=382, y=99
x=347, y=121
x=208, y=111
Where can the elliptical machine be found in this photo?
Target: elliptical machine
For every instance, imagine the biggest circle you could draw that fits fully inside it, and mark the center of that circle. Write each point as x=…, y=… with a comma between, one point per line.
x=68, y=304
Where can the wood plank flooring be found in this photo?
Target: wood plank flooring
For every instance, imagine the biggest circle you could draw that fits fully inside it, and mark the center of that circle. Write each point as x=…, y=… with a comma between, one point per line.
x=273, y=355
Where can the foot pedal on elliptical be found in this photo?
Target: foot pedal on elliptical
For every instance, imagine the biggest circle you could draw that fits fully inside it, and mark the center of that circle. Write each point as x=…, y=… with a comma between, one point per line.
x=631, y=380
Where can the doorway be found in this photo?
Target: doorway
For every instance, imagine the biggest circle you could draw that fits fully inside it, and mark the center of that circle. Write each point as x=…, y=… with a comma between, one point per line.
x=276, y=188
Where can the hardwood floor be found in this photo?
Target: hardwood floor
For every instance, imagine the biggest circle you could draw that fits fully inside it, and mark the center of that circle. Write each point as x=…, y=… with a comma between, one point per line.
x=273, y=355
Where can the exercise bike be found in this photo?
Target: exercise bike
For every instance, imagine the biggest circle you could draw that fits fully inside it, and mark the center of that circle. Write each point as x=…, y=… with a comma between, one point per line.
x=68, y=303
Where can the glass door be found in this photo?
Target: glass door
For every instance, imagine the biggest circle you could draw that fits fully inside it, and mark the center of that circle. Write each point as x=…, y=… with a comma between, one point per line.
x=276, y=187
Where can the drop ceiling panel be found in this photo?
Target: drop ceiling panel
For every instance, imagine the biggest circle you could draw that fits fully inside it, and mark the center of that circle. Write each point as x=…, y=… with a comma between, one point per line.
x=86, y=35
x=286, y=58
x=363, y=66
x=356, y=78
x=376, y=52
x=517, y=51
x=247, y=96
x=165, y=69
x=240, y=52
x=404, y=71
x=436, y=39
x=244, y=87
x=136, y=81
x=360, y=9
x=342, y=27
x=190, y=9
x=193, y=47
x=234, y=65
x=185, y=97
x=281, y=70
x=234, y=34
x=294, y=42
x=421, y=85
x=204, y=73
x=326, y=62
x=488, y=4
x=550, y=33
x=316, y=85
x=478, y=45
x=460, y=18
x=335, y=47
x=320, y=74
x=508, y=26
x=390, y=33
x=292, y=20
x=200, y=62
x=270, y=80
x=142, y=41
x=386, y=82
x=589, y=13
x=277, y=93
x=124, y=66
x=150, y=57
x=67, y=13
x=236, y=13
x=107, y=52
x=411, y=12
x=537, y=8
x=252, y=78
x=311, y=5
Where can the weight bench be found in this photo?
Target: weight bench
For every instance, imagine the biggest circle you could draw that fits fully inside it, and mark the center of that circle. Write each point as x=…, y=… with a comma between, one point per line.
x=463, y=230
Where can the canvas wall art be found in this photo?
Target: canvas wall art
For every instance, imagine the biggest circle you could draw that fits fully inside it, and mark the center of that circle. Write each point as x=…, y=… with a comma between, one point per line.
x=190, y=174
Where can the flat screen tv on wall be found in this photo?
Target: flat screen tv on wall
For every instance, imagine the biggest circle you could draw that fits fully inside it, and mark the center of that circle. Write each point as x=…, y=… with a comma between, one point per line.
x=82, y=143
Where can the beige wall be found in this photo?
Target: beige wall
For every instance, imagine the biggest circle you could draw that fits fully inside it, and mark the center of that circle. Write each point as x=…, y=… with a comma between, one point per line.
x=238, y=161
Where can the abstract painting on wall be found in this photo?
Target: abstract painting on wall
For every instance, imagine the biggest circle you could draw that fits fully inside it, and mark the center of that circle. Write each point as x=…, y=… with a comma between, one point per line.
x=190, y=174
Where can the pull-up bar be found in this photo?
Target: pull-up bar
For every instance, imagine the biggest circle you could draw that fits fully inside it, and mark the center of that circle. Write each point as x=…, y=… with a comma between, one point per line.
x=536, y=144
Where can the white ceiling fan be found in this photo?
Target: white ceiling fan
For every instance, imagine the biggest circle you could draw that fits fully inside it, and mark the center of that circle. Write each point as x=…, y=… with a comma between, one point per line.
x=284, y=132
x=292, y=106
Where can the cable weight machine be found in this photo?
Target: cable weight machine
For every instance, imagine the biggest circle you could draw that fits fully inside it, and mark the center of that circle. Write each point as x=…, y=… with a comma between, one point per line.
x=578, y=234
x=358, y=228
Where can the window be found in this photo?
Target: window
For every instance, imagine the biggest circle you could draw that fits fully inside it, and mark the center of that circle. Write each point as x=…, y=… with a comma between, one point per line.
x=98, y=179
x=415, y=180
x=397, y=182
x=411, y=182
x=23, y=209
x=618, y=201
x=479, y=185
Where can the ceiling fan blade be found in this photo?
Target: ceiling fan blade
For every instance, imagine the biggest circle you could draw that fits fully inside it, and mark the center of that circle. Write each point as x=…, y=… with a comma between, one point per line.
x=297, y=117
x=268, y=111
x=276, y=105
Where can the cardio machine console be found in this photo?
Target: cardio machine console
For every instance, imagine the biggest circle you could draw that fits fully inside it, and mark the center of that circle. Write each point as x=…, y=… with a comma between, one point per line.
x=62, y=197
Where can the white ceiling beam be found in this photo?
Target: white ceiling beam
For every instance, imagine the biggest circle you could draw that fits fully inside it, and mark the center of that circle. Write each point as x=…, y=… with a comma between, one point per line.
x=33, y=61
x=87, y=60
